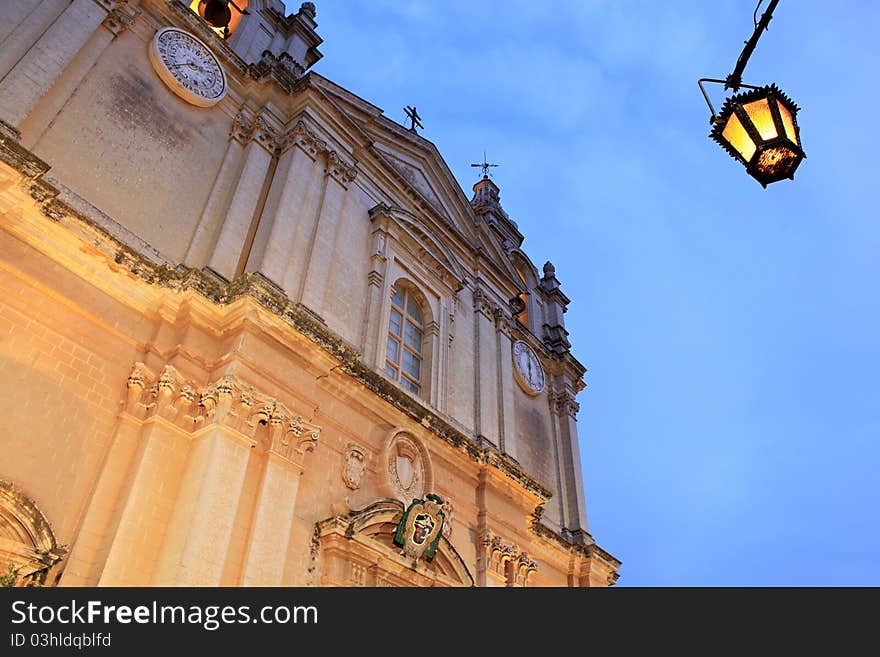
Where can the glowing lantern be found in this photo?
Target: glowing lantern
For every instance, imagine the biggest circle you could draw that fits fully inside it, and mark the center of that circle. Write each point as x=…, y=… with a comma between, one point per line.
x=759, y=128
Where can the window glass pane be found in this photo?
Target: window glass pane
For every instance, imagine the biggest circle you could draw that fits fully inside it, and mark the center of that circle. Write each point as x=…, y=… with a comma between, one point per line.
x=409, y=385
x=393, y=353
x=762, y=119
x=787, y=122
x=390, y=371
x=394, y=324
x=413, y=337
x=413, y=310
x=397, y=298
x=412, y=364
x=738, y=137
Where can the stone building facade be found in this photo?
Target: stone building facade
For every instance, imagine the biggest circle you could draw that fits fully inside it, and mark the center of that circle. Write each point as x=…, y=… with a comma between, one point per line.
x=252, y=332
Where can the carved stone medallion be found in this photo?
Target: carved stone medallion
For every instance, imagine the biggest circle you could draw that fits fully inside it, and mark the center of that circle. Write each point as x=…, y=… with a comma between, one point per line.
x=353, y=467
x=407, y=470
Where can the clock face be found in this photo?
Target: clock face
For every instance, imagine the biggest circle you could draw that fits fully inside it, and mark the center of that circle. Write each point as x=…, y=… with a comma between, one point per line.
x=188, y=67
x=527, y=368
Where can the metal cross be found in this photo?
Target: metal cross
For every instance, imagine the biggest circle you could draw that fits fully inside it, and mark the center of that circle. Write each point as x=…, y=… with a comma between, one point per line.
x=485, y=166
x=414, y=118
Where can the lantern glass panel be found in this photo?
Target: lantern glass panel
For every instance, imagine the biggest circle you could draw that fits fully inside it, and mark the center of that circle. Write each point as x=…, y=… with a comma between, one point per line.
x=776, y=162
x=737, y=136
x=787, y=122
x=762, y=119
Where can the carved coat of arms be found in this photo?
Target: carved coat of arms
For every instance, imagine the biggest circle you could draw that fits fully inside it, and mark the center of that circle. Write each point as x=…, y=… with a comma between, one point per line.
x=421, y=527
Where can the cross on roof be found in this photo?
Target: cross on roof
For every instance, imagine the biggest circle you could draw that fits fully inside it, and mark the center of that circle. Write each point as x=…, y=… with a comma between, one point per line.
x=414, y=118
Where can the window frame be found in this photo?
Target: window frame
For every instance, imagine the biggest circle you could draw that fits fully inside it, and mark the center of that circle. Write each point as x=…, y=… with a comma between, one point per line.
x=396, y=368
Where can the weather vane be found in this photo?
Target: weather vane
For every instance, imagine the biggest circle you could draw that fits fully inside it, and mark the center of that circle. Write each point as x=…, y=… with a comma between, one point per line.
x=485, y=166
x=415, y=119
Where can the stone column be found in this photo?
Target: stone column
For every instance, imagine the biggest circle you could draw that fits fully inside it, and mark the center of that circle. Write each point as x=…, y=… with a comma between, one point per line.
x=233, y=239
x=44, y=62
x=290, y=439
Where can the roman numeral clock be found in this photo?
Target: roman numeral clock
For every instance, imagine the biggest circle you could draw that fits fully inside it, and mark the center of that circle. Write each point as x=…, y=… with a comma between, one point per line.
x=188, y=67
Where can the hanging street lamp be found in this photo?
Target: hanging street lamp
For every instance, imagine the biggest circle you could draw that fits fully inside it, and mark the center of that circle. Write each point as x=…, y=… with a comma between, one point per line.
x=758, y=127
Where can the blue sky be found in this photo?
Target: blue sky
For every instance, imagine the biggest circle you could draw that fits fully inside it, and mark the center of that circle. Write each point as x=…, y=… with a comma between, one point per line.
x=730, y=426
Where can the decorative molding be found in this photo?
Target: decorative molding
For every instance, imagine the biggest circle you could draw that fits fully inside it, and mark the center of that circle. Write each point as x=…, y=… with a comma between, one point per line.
x=421, y=243
x=306, y=139
x=582, y=549
x=563, y=403
x=407, y=471
x=448, y=510
x=365, y=535
x=283, y=68
x=246, y=129
x=227, y=401
x=120, y=17
x=483, y=304
x=375, y=278
x=507, y=560
x=354, y=466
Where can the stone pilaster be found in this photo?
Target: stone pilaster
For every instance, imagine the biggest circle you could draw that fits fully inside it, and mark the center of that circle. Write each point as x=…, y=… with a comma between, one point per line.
x=289, y=439
x=259, y=147
x=506, y=405
x=176, y=493
x=564, y=409
x=210, y=223
x=290, y=208
x=375, y=286
x=486, y=367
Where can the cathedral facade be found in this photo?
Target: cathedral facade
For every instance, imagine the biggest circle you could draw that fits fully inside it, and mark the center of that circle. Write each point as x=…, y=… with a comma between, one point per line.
x=253, y=332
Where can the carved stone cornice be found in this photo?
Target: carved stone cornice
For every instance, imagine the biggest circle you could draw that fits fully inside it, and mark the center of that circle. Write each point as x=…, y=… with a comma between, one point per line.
x=583, y=551
x=246, y=129
x=503, y=320
x=306, y=139
x=283, y=68
x=120, y=17
x=375, y=278
x=484, y=305
x=227, y=401
x=563, y=403
x=507, y=560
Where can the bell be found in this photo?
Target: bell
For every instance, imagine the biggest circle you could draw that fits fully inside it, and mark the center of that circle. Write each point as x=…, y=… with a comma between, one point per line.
x=215, y=12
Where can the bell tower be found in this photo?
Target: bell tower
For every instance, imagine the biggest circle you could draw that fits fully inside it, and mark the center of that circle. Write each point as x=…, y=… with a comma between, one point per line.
x=262, y=34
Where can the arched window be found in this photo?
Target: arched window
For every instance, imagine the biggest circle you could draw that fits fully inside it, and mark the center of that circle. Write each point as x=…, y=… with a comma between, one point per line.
x=28, y=549
x=523, y=315
x=214, y=13
x=406, y=334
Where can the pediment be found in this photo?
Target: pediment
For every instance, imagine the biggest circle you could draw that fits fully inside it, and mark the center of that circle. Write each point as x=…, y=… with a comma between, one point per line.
x=412, y=161
x=358, y=550
x=423, y=243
